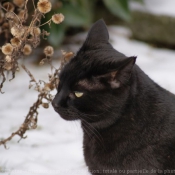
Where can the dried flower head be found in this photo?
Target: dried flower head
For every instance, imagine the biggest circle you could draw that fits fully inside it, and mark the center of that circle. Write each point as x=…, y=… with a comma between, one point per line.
x=8, y=58
x=48, y=50
x=68, y=56
x=19, y=3
x=44, y=6
x=7, y=49
x=22, y=15
x=27, y=49
x=48, y=87
x=17, y=31
x=10, y=16
x=8, y=66
x=45, y=105
x=58, y=18
x=9, y=6
x=15, y=42
x=35, y=31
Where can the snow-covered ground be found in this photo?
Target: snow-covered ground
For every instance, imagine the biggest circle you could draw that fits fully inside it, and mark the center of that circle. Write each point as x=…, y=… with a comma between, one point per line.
x=158, y=7
x=55, y=148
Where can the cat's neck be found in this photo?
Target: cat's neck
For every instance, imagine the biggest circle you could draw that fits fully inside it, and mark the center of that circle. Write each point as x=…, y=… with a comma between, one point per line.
x=147, y=100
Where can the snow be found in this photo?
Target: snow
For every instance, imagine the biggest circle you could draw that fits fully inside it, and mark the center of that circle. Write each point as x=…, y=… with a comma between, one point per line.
x=55, y=147
x=158, y=7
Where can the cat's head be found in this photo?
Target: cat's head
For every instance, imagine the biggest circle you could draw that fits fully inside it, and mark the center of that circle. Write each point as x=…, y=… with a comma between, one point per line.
x=94, y=84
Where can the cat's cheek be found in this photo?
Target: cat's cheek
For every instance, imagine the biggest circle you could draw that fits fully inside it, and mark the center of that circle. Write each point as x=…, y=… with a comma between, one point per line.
x=70, y=102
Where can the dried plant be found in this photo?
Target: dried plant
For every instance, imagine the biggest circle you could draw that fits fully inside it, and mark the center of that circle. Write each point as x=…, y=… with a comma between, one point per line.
x=25, y=39
x=44, y=89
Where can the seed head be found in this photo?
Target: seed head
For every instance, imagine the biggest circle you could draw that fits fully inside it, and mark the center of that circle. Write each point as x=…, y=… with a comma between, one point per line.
x=58, y=18
x=8, y=66
x=8, y=59
x=10, y=15
x=35, y=31
x=15, y=42
x=49, y=51
x=19, y=3
x=22, y=15
x=44, y=6
x=45, y=105
x=9, y=6
x=68, y=56
x=17, y=31
x=48, y=87
x=7, y=49
x=27, y=49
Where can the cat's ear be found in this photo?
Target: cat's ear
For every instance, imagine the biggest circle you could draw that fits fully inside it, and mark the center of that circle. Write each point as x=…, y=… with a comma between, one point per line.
x=121, y=75
x=98, y=33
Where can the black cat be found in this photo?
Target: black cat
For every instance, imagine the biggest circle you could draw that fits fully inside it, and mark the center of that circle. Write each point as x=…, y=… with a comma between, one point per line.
x=127, y=119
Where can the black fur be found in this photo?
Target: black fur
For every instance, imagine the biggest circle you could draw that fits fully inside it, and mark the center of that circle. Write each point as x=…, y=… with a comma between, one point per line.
x=127, y=119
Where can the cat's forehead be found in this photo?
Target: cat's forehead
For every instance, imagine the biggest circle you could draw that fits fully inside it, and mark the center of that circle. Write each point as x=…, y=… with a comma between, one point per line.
x=79, y=67
x=78, y=75
x=88, y=63
x=72, y=72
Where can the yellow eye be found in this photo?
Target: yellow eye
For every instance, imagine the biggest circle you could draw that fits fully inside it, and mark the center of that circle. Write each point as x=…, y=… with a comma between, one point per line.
x=78, y=94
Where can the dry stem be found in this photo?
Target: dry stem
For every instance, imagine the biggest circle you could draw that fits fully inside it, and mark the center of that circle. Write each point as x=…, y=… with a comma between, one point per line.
x=41, y=86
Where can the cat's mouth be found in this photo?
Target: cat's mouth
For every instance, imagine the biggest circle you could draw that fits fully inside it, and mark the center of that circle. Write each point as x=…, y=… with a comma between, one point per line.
x=66, y=114
x=56, y=110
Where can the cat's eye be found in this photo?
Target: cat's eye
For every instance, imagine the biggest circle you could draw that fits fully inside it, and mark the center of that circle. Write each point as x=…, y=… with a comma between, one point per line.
x=78, y=94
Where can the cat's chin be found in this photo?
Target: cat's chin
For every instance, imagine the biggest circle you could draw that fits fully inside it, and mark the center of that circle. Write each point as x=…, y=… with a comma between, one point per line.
x=69, y=118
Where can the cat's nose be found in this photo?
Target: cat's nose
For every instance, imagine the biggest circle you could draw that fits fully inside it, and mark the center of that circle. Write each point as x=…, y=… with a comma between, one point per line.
x=55, y=102
x=60, y=100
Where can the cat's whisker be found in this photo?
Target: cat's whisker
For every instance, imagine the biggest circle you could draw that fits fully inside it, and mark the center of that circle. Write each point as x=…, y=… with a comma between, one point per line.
x=88, y=116
x=86, y=131
x=88, y=126
x=94, y=132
